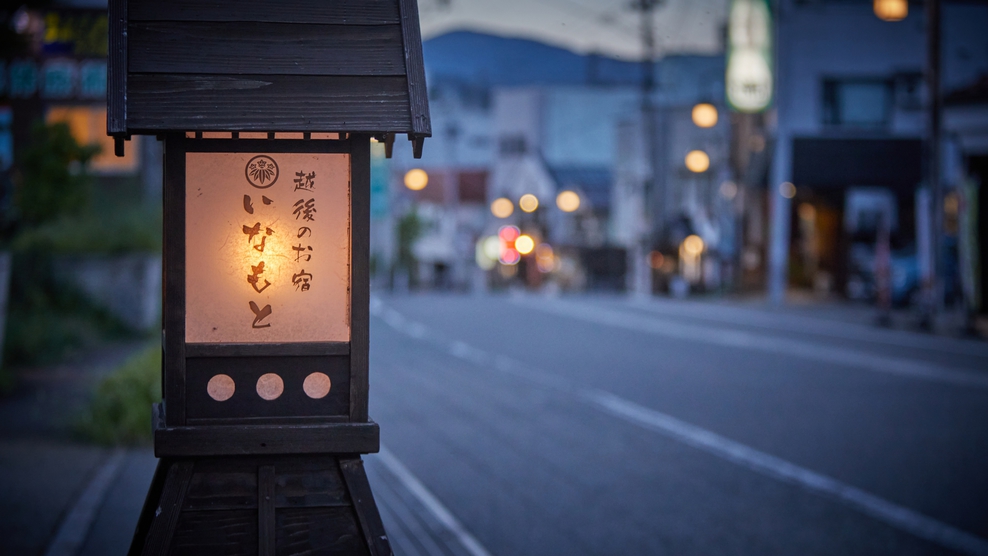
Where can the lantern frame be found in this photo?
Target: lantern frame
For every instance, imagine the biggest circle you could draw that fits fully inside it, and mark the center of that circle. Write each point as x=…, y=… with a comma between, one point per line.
x=181, y=429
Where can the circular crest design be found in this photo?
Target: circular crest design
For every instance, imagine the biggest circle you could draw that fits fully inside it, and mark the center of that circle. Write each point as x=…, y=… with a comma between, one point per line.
x=261, y=171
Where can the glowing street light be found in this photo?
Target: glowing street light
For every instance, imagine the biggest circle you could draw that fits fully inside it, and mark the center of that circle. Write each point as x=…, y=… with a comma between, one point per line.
x=568, y=201
x=524, y=244
x=416, y=179
x=693, y=245
x=891, y=10
x=705, y=115
x=502, y=207
x=697, y=161
x=528, y=202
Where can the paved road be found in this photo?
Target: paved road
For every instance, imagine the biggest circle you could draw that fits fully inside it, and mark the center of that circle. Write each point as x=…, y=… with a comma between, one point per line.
x=600, y=426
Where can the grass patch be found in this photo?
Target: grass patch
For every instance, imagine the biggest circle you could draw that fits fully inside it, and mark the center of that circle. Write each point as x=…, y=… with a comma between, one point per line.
x=120, y=412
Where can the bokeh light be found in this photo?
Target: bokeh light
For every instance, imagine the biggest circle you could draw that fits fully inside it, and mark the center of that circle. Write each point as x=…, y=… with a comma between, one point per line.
x=545, y=258
x=502, y=207
x=524, y=244
x=705, y=115
x=416, y=179
x=787, y=190
x=728, y=190
x=693, y=245
x=807, y=212
x=697, y=161
x=656, y=260
x=568, y=201
x=528, y=202
x=891, y=10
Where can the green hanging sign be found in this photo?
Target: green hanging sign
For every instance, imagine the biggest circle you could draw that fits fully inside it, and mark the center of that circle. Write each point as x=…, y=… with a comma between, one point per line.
x=749, y=80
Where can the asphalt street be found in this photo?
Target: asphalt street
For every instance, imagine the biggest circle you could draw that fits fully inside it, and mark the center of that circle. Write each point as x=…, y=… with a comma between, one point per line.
x=599, y=425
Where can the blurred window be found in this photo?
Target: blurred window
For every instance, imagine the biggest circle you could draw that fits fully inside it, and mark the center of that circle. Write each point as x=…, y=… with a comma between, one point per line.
x=514, y=144
x=857, y=102
x=88, y=126
x=473, y=187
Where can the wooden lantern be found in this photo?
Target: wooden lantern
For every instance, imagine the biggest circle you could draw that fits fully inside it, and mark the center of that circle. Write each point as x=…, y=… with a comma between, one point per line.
x=267, y=110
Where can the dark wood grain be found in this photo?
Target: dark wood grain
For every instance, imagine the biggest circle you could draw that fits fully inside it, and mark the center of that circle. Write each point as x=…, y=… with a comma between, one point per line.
x=349, y=12
x=250, y=47
x=227, y=440
x=359, y=276
x=365, y=507
x=310, y=482
x=418, y=96
x=267, y=350
x=265, y=510
x=149, y=509
x=318, y=531
x=173, y=299
x=209, y=533
x=226, y=484
x=265, y=146
x=263, y=103
x=116, y=69
x=169, y=508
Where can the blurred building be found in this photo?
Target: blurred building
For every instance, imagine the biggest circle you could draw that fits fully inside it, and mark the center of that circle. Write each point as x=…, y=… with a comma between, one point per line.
x=514, y=118
x=849, y=123
x=53, y=69
x=685, y=199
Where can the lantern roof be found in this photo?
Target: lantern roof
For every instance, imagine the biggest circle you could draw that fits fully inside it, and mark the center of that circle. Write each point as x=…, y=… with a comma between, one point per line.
x=347, y=66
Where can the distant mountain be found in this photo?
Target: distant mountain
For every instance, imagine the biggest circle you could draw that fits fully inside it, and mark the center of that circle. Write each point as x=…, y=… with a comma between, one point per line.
x=490, y=60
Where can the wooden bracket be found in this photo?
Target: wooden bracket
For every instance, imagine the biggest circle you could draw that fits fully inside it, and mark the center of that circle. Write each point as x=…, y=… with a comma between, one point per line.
x=389, y=144
x=118, y=146
x=417, y=142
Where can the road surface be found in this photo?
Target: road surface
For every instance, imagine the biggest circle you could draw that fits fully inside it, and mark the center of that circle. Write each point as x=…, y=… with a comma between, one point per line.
x=599, y=425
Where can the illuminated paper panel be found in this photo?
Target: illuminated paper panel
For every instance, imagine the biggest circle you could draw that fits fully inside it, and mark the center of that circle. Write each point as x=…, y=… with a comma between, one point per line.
x=267, y=247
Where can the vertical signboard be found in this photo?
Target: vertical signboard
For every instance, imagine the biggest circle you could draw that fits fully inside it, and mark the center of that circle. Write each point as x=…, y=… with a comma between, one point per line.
x=749, y=79
x=267, y=247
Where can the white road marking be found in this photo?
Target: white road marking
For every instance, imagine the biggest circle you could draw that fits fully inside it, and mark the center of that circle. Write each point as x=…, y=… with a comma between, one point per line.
x=75, y=527
x=893, y=514
x=768, y=344
x=431, y=503
x=897, y=516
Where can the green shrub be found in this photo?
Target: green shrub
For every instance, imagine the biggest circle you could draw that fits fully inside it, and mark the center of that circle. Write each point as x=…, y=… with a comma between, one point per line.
x=47, y=320
x=120, y=412
x=120, y=229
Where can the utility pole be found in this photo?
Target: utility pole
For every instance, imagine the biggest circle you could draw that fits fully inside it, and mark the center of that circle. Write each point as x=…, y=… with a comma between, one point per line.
x=641, y=272
x=934, y=286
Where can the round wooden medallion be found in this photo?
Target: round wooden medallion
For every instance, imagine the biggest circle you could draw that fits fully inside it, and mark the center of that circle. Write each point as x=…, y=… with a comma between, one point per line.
x=270, y=386
x=221, y=388
x=316, y=385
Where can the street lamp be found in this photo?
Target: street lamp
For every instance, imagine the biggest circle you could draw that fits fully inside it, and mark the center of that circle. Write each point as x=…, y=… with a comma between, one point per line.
x=502, y=207
x=266, y=224
x=568, y=201
x=416, y=179
x=528, y=202
x=891, y=10
x=705, y=115
x=697, y=161
x=524, y=244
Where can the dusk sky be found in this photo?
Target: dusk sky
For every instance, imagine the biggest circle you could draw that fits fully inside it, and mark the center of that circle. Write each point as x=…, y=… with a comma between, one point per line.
x=607, y=26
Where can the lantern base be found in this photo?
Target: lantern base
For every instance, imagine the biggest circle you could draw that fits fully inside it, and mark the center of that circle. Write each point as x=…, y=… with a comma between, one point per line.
x=265, y=505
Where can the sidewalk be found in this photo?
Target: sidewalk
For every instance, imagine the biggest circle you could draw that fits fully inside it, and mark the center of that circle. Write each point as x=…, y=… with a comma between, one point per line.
x=62, y=497
x=950, y=322
x=43, y=466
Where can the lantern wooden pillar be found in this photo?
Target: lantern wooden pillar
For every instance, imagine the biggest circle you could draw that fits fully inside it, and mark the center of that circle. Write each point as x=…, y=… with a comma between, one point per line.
x=266, y=111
